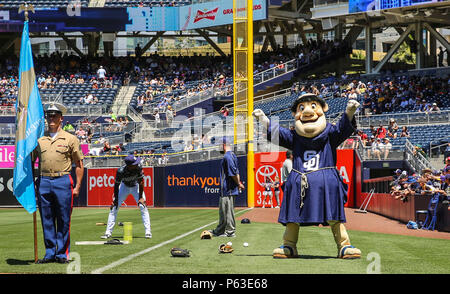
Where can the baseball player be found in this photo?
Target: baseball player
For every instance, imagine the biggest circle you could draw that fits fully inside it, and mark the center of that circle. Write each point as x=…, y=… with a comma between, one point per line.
x=129, y=180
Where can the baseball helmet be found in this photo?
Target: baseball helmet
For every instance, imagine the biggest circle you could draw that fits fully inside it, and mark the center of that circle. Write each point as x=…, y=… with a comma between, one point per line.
x=245, y=221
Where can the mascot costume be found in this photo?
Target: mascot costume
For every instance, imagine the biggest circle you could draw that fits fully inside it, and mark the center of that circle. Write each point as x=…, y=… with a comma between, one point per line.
x=314, y=192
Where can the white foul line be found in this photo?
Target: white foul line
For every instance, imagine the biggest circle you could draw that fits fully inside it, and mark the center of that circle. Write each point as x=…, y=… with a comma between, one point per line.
x=132, y=256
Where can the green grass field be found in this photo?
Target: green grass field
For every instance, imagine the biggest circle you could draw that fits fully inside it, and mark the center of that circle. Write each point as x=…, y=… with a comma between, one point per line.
x=382, y=253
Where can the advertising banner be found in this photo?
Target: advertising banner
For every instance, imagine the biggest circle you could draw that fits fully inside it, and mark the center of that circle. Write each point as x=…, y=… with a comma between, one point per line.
x=6, y=188
x=198, y=184
x=7, y=153
x=100, y=187
x=267, y=170
x=215, y=13
x=107, y=19
x=268, y=166
x=356, y=6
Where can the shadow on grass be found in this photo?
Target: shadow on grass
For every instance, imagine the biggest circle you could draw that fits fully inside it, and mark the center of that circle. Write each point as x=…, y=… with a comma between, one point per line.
x=300, y=257
x=12, y=261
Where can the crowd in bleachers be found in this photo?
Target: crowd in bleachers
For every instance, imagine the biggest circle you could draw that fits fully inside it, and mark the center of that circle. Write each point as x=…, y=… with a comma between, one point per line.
x=427, y=182
x=165, y=79
x=400, y=94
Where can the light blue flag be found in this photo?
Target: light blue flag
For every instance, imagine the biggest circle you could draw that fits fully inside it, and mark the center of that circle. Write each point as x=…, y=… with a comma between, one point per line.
x=30, y=125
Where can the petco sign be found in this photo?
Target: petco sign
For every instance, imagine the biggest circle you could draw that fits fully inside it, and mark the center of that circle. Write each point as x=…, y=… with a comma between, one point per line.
x=100, y=190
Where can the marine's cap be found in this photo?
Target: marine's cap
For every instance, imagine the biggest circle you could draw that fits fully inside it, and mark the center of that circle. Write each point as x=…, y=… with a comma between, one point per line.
x=132, y=160
x=55, y=107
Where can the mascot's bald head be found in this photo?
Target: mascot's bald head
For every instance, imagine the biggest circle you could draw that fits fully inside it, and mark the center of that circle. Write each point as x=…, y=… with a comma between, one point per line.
x=309, y=113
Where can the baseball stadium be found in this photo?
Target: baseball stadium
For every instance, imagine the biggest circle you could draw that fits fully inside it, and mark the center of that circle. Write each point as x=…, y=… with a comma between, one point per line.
x=154, y=114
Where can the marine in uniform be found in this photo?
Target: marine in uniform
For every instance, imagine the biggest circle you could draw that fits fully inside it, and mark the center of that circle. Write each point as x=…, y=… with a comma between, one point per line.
x=57, y=151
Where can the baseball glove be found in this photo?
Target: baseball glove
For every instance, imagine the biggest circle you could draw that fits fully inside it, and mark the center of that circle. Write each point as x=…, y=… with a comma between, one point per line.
x=206, y=235
x=178, y=252
x=113, y=242
x=224, y=248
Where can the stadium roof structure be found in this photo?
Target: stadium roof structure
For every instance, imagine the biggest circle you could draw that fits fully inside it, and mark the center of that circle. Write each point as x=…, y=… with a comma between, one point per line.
x=210, y=19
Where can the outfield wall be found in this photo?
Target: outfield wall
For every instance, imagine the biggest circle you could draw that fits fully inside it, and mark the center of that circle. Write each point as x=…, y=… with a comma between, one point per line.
x=187, y=185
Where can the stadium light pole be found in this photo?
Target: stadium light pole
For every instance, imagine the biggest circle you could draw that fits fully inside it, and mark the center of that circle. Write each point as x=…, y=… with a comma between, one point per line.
x=243, y=86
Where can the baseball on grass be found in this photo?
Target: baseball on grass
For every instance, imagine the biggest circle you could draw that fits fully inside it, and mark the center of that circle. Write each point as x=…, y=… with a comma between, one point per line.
x=229, y=243
x=245, y=244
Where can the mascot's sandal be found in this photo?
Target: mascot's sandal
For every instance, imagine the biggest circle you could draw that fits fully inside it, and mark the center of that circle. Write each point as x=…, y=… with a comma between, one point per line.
x=285, y=251
x=349, y=252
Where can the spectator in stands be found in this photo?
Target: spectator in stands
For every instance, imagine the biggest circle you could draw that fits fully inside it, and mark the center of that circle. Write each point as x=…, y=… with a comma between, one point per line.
x=441, y=57
x=386, y=148
x=367, y=104
x=434, y=108
x=93, y=100
x=373, y=131
x=196, y=143
x=447, y=151
x=163, y=159
x=447, y=164
x=106, y=147
x=188, y=146
x=404, y=104
x=381, y=132
x=68, y=127
x=225, y=111
x=392, y=129
x=81, y=134
x=363, y=137
x=157, y=119
x=376, y=148
x=418, y=150
x=405, y=132
x=101, y=73
x=169, y=115
x=205, y=141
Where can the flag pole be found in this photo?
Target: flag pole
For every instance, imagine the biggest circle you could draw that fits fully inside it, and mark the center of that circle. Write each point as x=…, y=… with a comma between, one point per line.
x=25, y=8
x=35, y=238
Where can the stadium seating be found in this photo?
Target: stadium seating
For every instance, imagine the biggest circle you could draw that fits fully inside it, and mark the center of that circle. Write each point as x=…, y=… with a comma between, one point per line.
x=73, y=92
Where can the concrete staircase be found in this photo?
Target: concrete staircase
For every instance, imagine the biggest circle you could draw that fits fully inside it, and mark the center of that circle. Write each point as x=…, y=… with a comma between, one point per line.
x=123, y=100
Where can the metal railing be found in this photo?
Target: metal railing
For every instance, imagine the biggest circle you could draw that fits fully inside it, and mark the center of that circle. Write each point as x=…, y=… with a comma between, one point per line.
x=318, y=3
x=184, y=102
x=274, y=72
x=408, y=118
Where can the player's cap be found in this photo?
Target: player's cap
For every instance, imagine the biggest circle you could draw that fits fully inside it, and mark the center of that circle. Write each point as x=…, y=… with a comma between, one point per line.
x=398, y=171
x=55, y=107
x=132, y=160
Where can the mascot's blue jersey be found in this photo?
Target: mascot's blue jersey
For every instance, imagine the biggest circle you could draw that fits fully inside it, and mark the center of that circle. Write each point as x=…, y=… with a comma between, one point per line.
x=326, y=194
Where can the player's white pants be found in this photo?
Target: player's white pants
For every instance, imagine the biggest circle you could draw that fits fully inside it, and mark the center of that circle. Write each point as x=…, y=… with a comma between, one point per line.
x=124, y=191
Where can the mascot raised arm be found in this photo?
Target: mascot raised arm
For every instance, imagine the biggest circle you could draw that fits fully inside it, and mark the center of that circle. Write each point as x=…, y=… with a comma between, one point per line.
x=314, y=192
